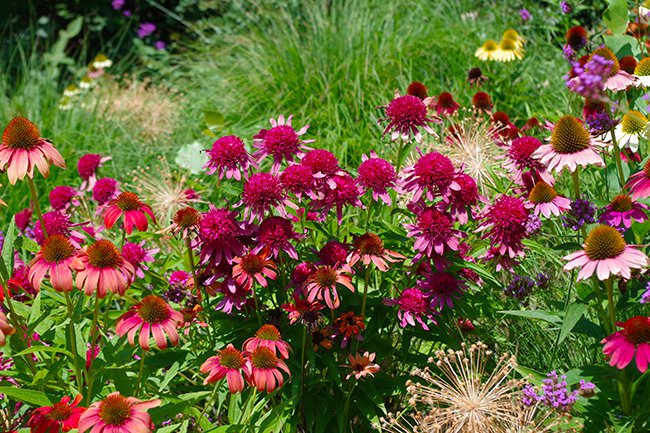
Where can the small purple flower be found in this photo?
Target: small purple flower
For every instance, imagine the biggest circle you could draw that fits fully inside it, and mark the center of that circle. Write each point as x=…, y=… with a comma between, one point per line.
x=645, y=297
x=520, y=287
x=556, y=393
x=566, y=7
x=600, y=122
x=146, y=29
x=117, y=4
x=160, y=45
x=525, y=15
x=533, y=225
x=568, y=53
x=589, y=80
x=582, y=212
x=127, y=13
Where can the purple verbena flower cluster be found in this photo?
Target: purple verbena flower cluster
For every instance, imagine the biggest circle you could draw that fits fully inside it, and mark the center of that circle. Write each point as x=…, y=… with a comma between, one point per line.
x=566, y=7
x=556, y=393
x=645, y=297
x=589, y=80
x=582, y=212
x=525, y=15
x=522, y=285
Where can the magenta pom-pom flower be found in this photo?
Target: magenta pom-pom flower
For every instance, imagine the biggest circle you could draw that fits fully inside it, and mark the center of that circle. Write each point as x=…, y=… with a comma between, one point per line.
x=23, y=149
x=432, y=175
x=62, y=197
x=104, y=270
x=622, y=211
x=520, y=159
x=460, y=200
x=228, y=363
x=406, y=115
x=220, y=232
x=150, y=317
x=344, y=192
x=138, y=256
x=414, y=307
x=298, y=180
x=441, y=288
x=633, y=341
x=262, y=193
x=377, y=175
x=118, y=414
x=505, y=221
x=87, y=167
x=263, y=369
x=274, y=235
x=105, y=190
x=268, y=336
x=57, y=259
x=228, y=157
x=282, y=142
x=324, y=165
x=132, y=209
x=61, y=416
x=434, y=232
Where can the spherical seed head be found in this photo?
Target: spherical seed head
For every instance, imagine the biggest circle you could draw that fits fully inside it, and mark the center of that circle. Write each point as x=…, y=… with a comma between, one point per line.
x=501, y=118
x=637, y=330
x=475, y=74
x=482, y=101
x=634, y=122
x=608, y=54
x=417, y=89
x=621, y=203
x=104, y=190
x=542, y=192
x=230, y=150
x=446, y=100
x=88, y=165
x=187, y=218
x=604, y=242
x=128, y=201
x=369, y=244
x=268, y=332
x=114, y=410
x=21, y=133
x=407, y=110
x=263, y=191
x=153, y=309
x=642, y=69
x=230, y=357
x=511, y=34
x=103, y=254
x=577, y=38
x=569, y=136
x=333, y=252
x=57, y=248
x=263, y=358
x=628, y=64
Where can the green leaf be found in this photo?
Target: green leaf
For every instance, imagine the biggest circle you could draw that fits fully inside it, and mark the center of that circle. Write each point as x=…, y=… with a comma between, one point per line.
x=616, y=16
x=622, y=45
x=39, y=349
x=573, y=314
x=8, y=250
x=547, y=316
x=213, y=119
x=191, y=157
x=29, y=396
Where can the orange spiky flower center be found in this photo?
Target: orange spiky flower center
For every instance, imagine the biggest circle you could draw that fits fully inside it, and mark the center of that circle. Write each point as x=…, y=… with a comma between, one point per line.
x=325, y=276
x=115, y=410
x=263, y=357
x=128, y=201
x=637, y=330
x=542, y=192
x=569, y=136
x=268, y=332
x=230, y=357
x=369, y=244
x=621, y=203
x=60, y=411
x=103, y=254
x=187, y=218
x=604, y=242
x=21, y=133
x=57, y=248
x=608, y=54
x=153, y=309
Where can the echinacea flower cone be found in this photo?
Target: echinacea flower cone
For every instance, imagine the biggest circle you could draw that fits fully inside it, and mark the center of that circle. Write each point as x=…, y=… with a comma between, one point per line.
x=118, y=414
x=152, y=316
x=632, y=341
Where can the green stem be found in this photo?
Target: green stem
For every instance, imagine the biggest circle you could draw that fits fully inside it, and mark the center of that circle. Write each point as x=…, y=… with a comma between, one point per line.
x=576, y=183
x=366, y=283
x=257, y=308
x=595, y=284
x=617, y=157
x=346, y=408
x=625, y=392
x=609, y=284
x=21, y=329
x=73, y=341
x=210, y=401
x=140, y=372
x=302, y=370
x=94, y=331
x=37, y=207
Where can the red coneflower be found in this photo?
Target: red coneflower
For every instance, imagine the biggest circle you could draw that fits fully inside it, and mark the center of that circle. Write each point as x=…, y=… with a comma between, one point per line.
x=321, y=284
x=5, y=328
x=268, y=336
x=151, y=316
x=406, y=115
x=577, y=38
x=348, y=326
x=262, y=369
x=185, y=221
x=633, y=339
x=378, y=175
x=104, y=269
x=229, y=157
x=433, y=232
x=362, y=365
x=606, y=253
x=61, y=416
x=446, y=105
x=228, y=363
x=639, y=183
x=417, y=89
x=282, y=142
x=135, y=212
x=118, y=414
x=482, y=102
x=441, y=288
x=57, y=258
x=304, y=311
x=274, y=235
x=253, y=267
x=413, y=305
x=23, y=148
x=505, y=221
x=369, y=248
x=475, y=77
x=298, y=179
x=321, y=337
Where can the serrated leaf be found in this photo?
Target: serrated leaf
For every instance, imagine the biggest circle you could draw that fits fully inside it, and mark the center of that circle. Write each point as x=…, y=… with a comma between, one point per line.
x=29, y=396
x=616, y=16
x=571, y=318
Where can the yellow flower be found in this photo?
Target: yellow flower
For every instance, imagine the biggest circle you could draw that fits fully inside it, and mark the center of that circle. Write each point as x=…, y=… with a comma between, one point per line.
x=514, y=36
x=508, y=51
x=487, y=50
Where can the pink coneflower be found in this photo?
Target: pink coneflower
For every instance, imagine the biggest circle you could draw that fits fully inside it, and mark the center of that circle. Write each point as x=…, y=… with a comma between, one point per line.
x=104, y=269
x=505, y=221
x=57, y=259
x=152, y=316
x=634, y=339
x=229, y=157
x=369, y=248
x=378, y=175
x=321, y=284
x=262, y=369
x=344, y=192
x=348, y=326
x=606, y=253
x=62, y=197
x=570, y=145
x=305, y=312
x=135, y=212
x=228, y=363
x=362, y=365
x=61, y=416
x=622, y=210
x=220, y=234
x=87, y=167
x=262, y=193
x=234, y=296
x=23, y=148
x=185, y=221
x=281, y=142
x=414, y=306
x=268, y=336
x=5, y=329
x=253, y=267
x=441, y=288
x=105, y=190
x=118, y=414
x=433, y=173
x=618, y=79
x=274, y=236
x=333, y=253
x=543, y=199
x=407, y=115
x=520, y=159
x=446, y=105
x=433, y=232
x=297, y=179
x=639, y=183
x=138, y=256
x=459, y=200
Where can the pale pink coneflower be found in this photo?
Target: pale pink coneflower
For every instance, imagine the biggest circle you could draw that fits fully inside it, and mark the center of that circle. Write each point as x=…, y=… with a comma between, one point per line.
x=150, y=317
x=228, y=363
x=118, y=414
x=544, y=200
